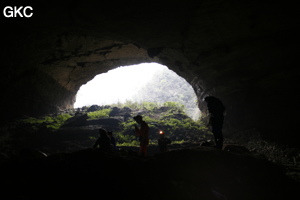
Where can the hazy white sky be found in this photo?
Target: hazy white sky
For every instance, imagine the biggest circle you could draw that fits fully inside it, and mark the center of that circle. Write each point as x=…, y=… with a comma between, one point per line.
x=116, y=85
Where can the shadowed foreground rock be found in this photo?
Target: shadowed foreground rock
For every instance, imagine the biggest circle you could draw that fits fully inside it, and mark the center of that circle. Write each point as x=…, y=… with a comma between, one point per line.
x=202, y=173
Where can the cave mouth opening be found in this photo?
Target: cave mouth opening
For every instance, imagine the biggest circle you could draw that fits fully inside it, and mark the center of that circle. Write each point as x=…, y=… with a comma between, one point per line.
x=144, y=82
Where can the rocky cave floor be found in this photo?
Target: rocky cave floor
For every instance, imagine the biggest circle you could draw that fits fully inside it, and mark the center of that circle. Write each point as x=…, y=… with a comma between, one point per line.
x=197, y=172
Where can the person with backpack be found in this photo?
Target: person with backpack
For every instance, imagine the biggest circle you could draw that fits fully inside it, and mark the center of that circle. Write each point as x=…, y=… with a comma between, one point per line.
x=163, y=142
x=216, y=109
x=143, y=133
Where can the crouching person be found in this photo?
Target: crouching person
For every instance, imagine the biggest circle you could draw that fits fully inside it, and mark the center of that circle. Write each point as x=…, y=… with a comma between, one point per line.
x=163, y=142
x=103, y=142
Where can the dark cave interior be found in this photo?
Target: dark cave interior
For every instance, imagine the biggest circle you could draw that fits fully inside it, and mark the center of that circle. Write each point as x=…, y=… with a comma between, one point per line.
x=243, y=52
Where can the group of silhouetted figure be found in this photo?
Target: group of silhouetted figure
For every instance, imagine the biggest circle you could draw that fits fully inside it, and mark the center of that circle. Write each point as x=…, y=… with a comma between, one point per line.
x=107, y=142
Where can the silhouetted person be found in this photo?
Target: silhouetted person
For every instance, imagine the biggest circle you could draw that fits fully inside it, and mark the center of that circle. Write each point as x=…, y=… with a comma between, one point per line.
x=143, y=133
x=163, y=142
x=112, y=140
x=216, y=109
x=103, y=141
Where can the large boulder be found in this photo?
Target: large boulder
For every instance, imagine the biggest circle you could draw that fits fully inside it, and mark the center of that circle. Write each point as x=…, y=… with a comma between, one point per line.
x=93, y=108
x=76, y=121
x=106, y=123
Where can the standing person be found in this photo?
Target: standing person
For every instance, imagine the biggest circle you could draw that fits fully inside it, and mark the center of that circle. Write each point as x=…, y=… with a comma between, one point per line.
x=163, y=142
x=112, y=140
x=103, y=141
x=216, y=109
x=143, y=133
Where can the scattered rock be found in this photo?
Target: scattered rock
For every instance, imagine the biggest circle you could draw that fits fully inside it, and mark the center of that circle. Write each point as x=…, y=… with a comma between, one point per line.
x=115, y=111
x=107, y=123
x=76, y=121
x=93, y=108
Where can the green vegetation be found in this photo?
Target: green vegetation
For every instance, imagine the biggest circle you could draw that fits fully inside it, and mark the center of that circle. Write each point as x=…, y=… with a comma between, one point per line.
x=134, y=105
x=99, y=113
x=169, y=117
x=150, y=107
x=51, y=122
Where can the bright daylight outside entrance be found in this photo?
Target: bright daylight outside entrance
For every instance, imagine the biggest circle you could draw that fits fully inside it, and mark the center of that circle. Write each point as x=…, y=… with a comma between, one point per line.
x=146, y=82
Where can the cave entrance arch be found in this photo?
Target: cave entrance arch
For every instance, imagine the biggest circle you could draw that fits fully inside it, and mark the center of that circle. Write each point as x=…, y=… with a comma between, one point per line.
x=144, y=82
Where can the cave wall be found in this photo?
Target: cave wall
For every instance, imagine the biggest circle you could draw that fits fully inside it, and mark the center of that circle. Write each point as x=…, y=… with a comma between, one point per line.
x=243, y=52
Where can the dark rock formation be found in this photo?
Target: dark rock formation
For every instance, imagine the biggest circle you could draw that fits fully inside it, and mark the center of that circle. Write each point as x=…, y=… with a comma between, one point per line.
x=242, y=52
x=106, y=123
x=93, y=108
x=78, y=120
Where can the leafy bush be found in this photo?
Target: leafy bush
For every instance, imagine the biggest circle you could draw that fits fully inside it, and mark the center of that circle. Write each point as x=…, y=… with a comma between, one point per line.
x=150, y=106
x=54, y=122
x=128, y=103
x=99, y=113
x=176, y=105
